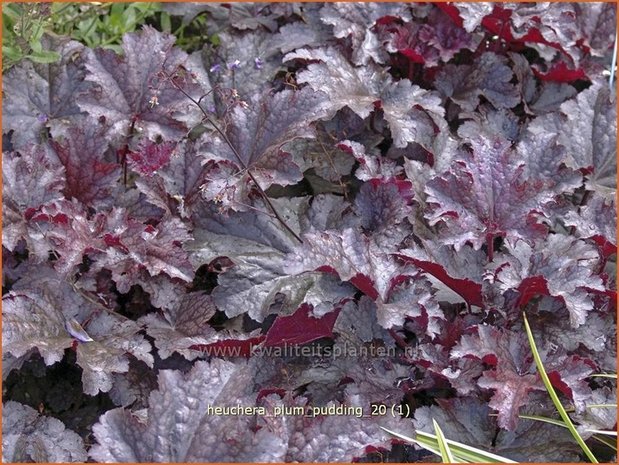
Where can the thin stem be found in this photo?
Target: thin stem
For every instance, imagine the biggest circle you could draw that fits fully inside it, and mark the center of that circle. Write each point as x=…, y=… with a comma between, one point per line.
x=223, y=135
x=613, y=64
x=490, y=246
x=125, y=151
x=99, y=305
x=332, y=165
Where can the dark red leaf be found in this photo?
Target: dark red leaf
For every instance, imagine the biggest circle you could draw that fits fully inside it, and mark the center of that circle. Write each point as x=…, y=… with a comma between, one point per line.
x=469, y=290
x=560, y=73
x=150, y=156
x=530, y=287
x=451, y=11
x=300, y=328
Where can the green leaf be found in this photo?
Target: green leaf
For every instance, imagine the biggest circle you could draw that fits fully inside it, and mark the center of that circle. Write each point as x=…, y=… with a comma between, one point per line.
x=44, y=56
x=147, y=8
x=165, y=22
x=214, y=40
x=115, y=19
x=553, y=395
x=11, y=52
x=36, y=46
x=36, y=34
x=11, y=11
x=128, y=20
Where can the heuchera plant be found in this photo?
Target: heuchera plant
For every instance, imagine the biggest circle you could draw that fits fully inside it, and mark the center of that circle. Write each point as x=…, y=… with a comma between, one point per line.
x=339, y=177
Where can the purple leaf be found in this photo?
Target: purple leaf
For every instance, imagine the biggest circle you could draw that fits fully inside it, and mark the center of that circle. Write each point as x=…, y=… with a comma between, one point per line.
x=370, y=166
x=461, y=271
x=29, y=322
x=256, y=246
x=470, y=15
x=246, y=62
x=37, y=319
x=561, y=266
x=300, y=34
x=597, y=220
x=185, y=325
x=489, y=77
x=132, y=245
x=91, y=177
x=362, y=262
x=30, y=437
x=176, y=186
x=133, y=90
x=150, y=157
x=513, y=376
x=257, y=134
x=494, y=191
x=586, y=128
x=68, y=231
x=436, y=41
x=165, y=437
x=355, y=21
x=30, y=179
x=300, y=327
x=413, y=113
x=36, y=95
x=575, y=31
x=339, y=437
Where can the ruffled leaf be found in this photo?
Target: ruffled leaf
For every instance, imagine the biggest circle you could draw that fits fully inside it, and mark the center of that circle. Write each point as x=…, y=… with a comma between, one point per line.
x=30, y=437
x=494, y=191
x=134, y=90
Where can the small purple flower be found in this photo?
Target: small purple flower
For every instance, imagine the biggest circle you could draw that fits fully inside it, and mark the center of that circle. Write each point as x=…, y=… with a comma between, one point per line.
x=236, y=64
x=258, y=63
x=215, y=68
x=42, y=118
x=211, y=109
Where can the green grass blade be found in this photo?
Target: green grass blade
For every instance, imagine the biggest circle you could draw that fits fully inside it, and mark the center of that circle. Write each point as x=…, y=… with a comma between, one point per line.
x=421, y=443
x=601, y=406
x=606, y=442
x=604, y=375
x=430, y=446
x=613, y=63
x=602, y=432
x=553, y=395
x=466, y=452
x=552, y=421
x=446, y=454
x=461, y=452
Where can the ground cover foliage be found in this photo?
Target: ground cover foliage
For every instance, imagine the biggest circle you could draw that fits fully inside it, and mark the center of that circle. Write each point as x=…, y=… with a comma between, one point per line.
x=385, y=186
